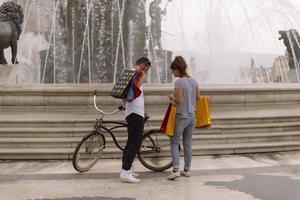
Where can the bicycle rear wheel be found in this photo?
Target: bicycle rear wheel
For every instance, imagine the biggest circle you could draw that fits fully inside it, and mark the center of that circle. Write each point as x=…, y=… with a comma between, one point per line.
x=155, y=151
x=88, y=151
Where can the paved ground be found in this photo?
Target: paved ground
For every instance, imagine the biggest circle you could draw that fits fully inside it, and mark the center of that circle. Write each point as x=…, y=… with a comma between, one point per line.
x=245, y=177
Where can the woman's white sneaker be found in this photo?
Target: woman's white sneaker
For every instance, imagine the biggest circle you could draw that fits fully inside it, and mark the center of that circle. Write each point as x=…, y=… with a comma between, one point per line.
x=127, y=177
x=174, y=175
x=185, y=173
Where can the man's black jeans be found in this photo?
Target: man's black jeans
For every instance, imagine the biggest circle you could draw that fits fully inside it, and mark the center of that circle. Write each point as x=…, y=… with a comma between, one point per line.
x=135, y=136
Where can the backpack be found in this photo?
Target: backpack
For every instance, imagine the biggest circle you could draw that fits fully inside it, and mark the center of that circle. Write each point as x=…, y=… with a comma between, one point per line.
x=124, y=84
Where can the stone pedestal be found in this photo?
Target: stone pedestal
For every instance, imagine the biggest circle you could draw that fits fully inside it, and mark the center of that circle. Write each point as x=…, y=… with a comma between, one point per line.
x=291, y=76
x=160, y=70
x=17, y=74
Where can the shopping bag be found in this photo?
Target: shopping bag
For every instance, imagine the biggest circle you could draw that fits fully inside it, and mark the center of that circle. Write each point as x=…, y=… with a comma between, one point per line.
x=167, y=125
x=171, y=121
x=202, y=113
x=163, y=126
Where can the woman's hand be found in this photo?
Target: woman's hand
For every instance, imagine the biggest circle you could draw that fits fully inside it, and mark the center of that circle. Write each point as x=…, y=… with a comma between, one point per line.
x=172, y=99
x=177, y=97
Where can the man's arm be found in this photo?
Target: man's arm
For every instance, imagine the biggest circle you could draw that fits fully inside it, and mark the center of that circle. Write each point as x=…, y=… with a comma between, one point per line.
x=142, y=78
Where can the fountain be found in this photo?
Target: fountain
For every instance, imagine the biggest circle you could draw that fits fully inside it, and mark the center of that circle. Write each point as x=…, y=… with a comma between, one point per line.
x=225, y=42
x=231, y=41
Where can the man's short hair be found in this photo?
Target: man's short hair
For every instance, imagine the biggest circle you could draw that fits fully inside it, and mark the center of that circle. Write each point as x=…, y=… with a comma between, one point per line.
x=143, y=60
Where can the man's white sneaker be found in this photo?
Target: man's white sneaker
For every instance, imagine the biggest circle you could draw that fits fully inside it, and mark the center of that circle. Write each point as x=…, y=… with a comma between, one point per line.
x=174, y=175
x=127, y=177
x=185, y=173
x=135, y=175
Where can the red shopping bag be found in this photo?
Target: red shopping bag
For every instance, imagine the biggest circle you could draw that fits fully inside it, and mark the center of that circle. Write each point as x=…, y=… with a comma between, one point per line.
x=168, y=122
x=164, y=123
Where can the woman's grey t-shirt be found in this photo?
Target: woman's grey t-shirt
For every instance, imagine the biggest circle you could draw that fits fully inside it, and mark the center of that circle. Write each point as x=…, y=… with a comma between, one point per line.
x=188, y=86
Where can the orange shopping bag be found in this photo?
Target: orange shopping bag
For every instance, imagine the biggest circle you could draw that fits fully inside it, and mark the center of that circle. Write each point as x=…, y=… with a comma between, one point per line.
x=202, y=113
x=168, y=122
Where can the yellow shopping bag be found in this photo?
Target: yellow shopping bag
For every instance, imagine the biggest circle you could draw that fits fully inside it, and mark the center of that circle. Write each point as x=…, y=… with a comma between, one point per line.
x=171, y=121
x=202, y=113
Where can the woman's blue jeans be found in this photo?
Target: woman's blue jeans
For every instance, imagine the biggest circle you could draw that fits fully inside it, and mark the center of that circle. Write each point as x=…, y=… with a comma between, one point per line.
x=184, y=126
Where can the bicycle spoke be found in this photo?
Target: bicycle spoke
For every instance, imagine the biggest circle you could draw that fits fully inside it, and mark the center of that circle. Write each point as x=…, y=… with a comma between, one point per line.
x=155, y=151
x=88, y=152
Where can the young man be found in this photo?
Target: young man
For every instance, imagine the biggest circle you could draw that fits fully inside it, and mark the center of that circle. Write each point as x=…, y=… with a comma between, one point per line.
x=134, y=115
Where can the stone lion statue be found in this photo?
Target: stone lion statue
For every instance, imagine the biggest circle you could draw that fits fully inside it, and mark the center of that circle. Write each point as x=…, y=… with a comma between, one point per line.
x=11, y=19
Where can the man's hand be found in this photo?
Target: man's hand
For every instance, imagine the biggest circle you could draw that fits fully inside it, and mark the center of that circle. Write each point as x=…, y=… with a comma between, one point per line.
x=145, y=68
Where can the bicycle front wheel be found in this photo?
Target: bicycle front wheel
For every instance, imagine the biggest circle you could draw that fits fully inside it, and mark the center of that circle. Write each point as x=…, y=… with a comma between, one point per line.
x=155, y=151
x=88, y=151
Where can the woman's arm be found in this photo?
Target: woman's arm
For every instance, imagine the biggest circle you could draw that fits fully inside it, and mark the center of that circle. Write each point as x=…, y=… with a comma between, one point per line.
x=178, y=96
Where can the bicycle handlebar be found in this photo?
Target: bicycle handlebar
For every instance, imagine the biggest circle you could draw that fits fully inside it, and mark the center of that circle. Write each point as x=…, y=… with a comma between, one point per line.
x=120, y=108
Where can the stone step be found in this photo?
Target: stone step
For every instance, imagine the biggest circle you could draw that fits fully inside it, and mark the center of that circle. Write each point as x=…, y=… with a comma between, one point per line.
x=27, y=122
x=239, y=148
x=80, y=131
x=215, y=149
x=198, y=138
x=228, y=120
x=47, y=132
x=236, y=115
x=53, y=132
x=231, y=138
x=240, y=115
x=39, y=120
x=50, y=142
x=258, y=127
x=32, y=143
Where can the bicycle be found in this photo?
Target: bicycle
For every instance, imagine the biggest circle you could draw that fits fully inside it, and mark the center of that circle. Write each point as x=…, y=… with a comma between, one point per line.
x=154, y=152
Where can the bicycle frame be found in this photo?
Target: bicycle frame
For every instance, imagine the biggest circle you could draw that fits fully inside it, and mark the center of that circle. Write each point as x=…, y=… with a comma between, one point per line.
x=98, y=126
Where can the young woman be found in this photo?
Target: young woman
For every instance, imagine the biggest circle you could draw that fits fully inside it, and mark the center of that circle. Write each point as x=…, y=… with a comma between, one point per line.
x=185, y=95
